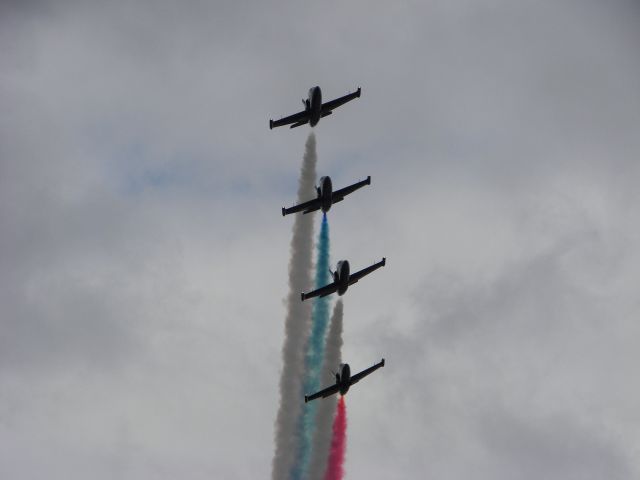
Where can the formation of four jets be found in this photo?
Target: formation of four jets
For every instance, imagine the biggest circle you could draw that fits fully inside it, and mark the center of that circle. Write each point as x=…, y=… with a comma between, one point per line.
x=326, y=197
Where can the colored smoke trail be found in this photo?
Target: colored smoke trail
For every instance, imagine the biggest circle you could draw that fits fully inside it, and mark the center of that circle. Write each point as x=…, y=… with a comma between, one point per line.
x=327, y=407
x=296, y=325
x=335, y=464
x=314, y=355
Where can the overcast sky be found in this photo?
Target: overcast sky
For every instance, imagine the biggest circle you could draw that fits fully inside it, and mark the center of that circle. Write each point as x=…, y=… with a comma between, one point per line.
x=143, y=256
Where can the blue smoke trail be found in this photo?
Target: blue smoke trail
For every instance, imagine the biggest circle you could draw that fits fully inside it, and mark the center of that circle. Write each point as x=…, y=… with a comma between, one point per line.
x=314, y=356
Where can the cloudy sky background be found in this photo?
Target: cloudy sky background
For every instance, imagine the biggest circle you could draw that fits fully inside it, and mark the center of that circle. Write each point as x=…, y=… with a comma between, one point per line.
x=143, y=257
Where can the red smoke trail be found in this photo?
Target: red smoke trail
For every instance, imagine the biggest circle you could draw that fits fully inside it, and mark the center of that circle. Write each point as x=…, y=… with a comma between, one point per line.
x=335, y=463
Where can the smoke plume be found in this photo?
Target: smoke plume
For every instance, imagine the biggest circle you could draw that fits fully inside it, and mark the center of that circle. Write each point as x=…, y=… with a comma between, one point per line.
x=314, y=355
x=326, y=407
x=296, y=325
x=335, y=464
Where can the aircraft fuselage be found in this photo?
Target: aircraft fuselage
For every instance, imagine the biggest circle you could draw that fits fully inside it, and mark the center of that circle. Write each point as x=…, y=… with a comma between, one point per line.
x=325, y=191
x=343, y=379
x=341, y=276
x=314, y=105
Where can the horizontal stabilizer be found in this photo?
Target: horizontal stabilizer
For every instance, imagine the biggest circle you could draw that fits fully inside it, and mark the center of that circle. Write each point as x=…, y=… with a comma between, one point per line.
x=299, y=124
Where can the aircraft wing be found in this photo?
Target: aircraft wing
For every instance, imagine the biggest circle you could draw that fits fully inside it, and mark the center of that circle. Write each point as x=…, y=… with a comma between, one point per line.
x=321, y=292
x=339, y=195
x=328, y=106
x=354, y=277
x=359, y=376
x=297, y=119
x=307, y=207
x=327, y=392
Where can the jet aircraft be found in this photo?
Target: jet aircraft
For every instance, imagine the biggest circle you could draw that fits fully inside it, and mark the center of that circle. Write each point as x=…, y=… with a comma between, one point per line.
x=342, y=279
x=326, y=197
x=344, y=380
x=314, y=109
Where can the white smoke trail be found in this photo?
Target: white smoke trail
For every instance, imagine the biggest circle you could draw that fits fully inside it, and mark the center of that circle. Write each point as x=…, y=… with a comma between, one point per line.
x=327, y=406
x=297, y=322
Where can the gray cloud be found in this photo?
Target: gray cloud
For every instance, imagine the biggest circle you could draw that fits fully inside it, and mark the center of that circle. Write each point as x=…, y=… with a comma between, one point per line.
x=551, y=446
x=516, y=375
x=142, y=251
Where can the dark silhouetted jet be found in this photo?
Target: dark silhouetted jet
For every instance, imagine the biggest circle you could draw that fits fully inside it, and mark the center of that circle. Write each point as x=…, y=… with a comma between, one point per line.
x=314, y=109
x=326, y=197
x=344, y=380
x=342, y=279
